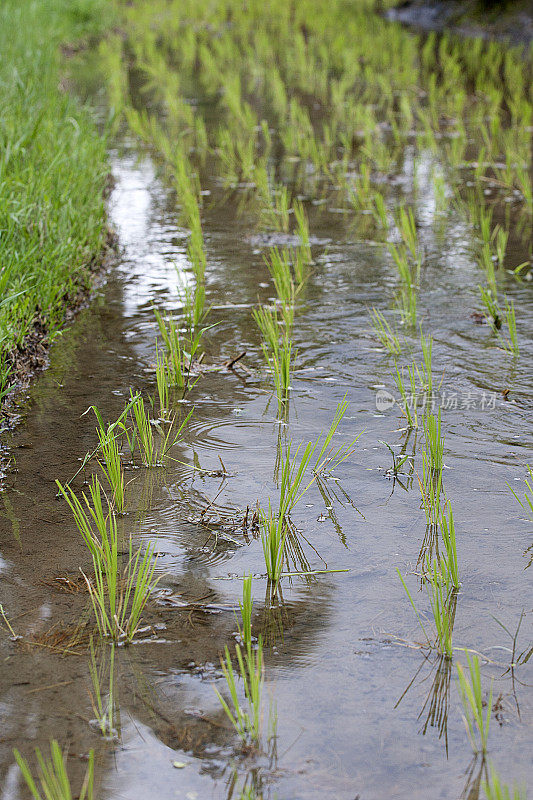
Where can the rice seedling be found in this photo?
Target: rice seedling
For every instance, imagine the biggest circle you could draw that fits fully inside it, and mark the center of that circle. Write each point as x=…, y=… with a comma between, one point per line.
x=527, y=502
x=302, y=229
x=118, y=595
x=447, y=529
x=510, y=318
x=409, y=405
x=266, y=318
x=104, y=708
x=496, y=790
x=153, y=453
x=328, y=457
x=53, y=777
x=273, y=536
x=477, y=722
x=111, y=465
x=500, y=236
x=384, y=333
x=162, y=382
x=279, y=363
x=427, y=347
x=434, y=441
x=279, y=266
x=177, y=362
x=493, y=314
x=405, y=222
x=379, y=211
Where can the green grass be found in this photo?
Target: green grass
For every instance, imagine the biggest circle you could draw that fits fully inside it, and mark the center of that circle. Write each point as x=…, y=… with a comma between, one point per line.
x=53, y=173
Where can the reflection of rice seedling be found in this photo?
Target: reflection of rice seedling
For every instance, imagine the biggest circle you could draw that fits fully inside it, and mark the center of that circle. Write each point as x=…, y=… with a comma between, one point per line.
x=53, y=777
x=384, y=333
x=118, y=595
x=476, y=722
x=246, y=721
x=104, y=708
x=528, y=496
x=495, y=790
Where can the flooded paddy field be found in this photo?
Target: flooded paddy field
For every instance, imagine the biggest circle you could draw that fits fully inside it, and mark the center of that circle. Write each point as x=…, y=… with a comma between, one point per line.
x=385, y=247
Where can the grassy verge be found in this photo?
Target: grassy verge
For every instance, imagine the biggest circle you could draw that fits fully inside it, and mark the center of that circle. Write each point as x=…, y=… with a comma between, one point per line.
x=53, y=174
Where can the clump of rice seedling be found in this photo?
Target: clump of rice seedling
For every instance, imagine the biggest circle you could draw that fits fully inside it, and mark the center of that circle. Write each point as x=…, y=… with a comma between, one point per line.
x=246, y=721
x=53, y=777
x=118, y=594
x=476, y=721
x=443, y=601
x=492, y=311
x=273, y=536
x=384, y=333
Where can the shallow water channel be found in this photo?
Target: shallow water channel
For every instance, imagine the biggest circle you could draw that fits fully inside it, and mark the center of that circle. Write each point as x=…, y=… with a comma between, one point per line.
x=362, y=711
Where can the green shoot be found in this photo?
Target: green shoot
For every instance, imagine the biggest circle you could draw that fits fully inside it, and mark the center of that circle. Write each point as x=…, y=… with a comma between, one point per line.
x=384, y=333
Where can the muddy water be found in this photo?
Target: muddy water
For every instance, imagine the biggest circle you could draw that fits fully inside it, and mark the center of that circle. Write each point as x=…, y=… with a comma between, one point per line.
x=360, y=711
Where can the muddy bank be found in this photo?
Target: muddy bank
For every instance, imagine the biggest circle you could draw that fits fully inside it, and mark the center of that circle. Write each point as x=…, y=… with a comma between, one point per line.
x=512, y=22
x=31, y=356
